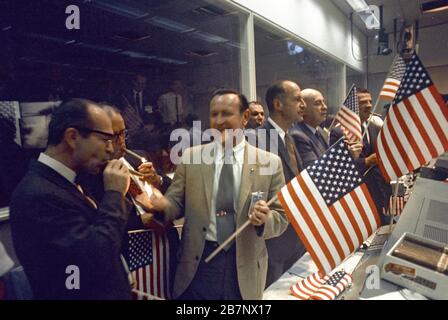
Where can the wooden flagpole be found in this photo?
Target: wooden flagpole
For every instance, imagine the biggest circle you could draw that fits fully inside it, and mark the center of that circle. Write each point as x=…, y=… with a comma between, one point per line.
x=234, y=235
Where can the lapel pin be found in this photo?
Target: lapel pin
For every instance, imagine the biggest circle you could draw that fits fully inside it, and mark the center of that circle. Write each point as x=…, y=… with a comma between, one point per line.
x=252, y=170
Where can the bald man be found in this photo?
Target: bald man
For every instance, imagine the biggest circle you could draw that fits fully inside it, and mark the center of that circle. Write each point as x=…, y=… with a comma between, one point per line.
x=307, y=135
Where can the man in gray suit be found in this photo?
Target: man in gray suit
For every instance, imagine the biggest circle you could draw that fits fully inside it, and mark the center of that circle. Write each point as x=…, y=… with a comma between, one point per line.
x=286, y=106
x=309, y=140
x=197, y=193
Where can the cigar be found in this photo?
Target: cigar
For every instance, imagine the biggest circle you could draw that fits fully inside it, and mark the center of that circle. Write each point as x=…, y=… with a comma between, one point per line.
x=132, y=153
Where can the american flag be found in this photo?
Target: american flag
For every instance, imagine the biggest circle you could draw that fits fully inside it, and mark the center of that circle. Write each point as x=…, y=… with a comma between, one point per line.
x=11, y=111
x=399, y=206
x=393, y=80
x=316, y=287
x=329, y=207
x=147, y=256
x=416, y=127
x=348, y=117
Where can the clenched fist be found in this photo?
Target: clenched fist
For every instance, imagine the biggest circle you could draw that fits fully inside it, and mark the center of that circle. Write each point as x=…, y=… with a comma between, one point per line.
x=116, y=177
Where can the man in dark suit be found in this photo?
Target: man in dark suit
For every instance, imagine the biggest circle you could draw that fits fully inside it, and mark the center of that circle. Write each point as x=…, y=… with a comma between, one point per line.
x=139, y=217
x=286, y=106
x=307, y=135
x=68, y=244
x=367, y=161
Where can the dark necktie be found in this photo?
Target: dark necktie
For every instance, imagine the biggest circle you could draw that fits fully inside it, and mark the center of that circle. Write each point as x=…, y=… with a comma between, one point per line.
x=321, y=141
x=289, y=144
x=137, y=102
x=225, y=209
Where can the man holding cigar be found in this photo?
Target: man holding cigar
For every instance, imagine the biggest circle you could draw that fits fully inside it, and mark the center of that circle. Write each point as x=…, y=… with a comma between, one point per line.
x=68, y=244
x=215, y=197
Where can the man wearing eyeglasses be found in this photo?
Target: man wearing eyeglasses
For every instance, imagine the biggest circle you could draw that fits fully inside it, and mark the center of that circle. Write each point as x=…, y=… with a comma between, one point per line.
x=139, y=217
x=68, y=244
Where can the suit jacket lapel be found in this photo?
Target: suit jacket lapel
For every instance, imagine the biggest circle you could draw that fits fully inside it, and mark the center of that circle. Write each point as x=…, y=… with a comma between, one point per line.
x=208, y=174
x=63, y=183
x=247, y=179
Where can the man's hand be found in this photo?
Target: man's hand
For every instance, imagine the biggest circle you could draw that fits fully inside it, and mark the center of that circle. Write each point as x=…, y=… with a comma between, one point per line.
x=116, y=177
x=259, y=213
x=149, y=174
x=158, y=201
x=355, y=148
x=371, y=160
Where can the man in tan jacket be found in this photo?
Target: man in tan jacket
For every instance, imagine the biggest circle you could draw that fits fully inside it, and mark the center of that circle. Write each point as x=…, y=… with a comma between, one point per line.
x=198, y=193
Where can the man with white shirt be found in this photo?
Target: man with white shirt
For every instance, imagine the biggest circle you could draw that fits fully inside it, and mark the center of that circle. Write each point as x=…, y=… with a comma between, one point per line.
x=68, y=244
x=307, y=135
x=171, y=105
x=286, y=106
x=215, y=199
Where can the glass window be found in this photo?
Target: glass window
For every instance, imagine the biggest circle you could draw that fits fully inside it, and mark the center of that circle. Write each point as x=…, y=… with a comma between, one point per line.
x=189, y=48
x=282, y=56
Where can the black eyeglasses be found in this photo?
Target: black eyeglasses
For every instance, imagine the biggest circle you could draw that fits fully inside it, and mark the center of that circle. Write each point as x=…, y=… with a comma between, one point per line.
x=122, y=134
x=110, y=136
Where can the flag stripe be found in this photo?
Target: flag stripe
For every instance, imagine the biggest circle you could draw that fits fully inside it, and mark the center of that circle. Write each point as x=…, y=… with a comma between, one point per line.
x=291, y=205
x=359, y=218
x=397, y=138
x=343, y=229
x=428, y=122
x=437, y=118
x=363, y=213
x=436, y=99
x=352, y=219
x=371, y=205
x=389, y=162
x=302, y=192
x=414, y=139
x=416, y=118
x=351, y=230
x=321, y=220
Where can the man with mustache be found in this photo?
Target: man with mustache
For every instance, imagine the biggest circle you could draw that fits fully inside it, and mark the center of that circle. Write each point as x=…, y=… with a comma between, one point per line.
x=68, y=244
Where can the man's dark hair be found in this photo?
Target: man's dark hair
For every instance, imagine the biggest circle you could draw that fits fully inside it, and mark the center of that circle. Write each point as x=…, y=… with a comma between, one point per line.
x=276, y=91
x=71, y=114
x=362, y=90
x=244, y=104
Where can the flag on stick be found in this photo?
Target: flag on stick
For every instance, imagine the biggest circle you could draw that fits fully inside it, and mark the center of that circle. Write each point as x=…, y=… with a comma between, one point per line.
x=416, y=127
x=330, y=208
x=147, y=256
x=348, y=117
x=316, y=287
x=393, y=79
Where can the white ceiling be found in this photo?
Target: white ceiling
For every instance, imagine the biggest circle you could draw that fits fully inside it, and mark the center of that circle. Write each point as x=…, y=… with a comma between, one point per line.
x=407, y=11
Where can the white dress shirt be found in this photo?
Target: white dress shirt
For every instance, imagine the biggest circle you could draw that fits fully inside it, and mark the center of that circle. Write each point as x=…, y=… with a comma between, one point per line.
x=238, y=152
x=59, y=167
x=280, y=131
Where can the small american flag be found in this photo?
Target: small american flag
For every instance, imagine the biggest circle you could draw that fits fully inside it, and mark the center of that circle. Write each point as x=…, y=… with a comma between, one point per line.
x=393, y=80
x=148, y=260
x=316, y=287
x=348, y=117
x=416, y=127
x=400, y=202
x=329, y=207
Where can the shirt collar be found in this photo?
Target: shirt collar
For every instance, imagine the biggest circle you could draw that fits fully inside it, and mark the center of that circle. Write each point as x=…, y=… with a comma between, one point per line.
x=238, y=150
x=57, y=166
x=280, y=131
x=313, y=130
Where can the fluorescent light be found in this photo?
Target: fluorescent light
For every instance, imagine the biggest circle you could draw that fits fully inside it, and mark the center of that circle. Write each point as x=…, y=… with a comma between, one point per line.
x=358, y=5
x=169, y=24
x=212, y=38
x=120, y=9
x=434, y=6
